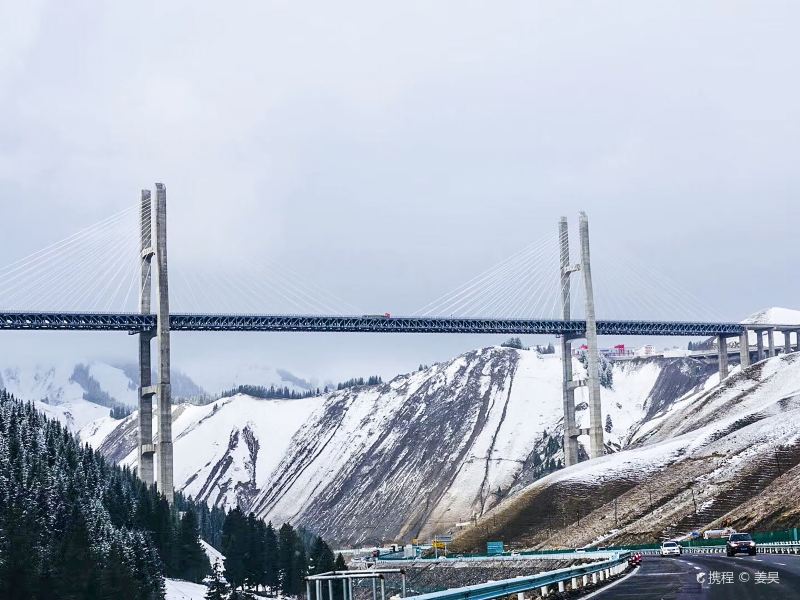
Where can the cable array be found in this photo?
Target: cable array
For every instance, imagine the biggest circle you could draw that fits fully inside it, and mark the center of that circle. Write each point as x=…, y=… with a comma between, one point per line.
x=525, y=285
x=93, y=270
x=627, y=287
x=265, y=287
x=98, y=269
x=528, y=285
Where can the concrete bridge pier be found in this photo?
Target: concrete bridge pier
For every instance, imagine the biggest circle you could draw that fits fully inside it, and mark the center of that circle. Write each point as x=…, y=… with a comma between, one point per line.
x=744, y=349
x=759, y=344
x=722, y=351
x=771, y=341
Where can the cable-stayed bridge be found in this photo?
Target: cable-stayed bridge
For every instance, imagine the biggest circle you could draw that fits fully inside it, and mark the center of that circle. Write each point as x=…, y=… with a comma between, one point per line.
x=101, y=279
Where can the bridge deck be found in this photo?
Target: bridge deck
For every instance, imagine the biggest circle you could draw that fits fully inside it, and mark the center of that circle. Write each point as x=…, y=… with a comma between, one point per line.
x=133, y=322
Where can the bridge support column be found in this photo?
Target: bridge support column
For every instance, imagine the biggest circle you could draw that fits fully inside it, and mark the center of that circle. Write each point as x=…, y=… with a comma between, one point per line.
x=595, y=406
x=787, y=341
x=165, y=476
x=797, y=340
x=567, y=387
x=759, y=345
x=771, y=342
x=146, y=449
x=744, y=349
x=722, y=351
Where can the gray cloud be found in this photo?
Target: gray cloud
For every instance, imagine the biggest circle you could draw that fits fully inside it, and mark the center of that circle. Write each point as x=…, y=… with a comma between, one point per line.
x=389, y=153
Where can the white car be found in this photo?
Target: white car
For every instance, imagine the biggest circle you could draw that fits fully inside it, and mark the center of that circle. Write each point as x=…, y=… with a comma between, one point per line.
x=670, y=549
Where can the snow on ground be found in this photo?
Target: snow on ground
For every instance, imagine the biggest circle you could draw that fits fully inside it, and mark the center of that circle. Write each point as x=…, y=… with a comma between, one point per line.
x=184, y=590
x=202, y=436
x=213, y=554
x=115, y=383
x=95, y=432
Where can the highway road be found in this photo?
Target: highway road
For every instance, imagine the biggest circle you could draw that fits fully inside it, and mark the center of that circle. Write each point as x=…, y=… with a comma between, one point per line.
x=710, y=576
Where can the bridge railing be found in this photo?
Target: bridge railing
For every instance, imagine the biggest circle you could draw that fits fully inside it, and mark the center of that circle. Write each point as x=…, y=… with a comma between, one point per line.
x=569, y=578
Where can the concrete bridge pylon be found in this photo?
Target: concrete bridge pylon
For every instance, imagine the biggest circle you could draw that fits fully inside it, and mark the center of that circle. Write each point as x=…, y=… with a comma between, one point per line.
x=595, y=429
x=596, y=446
x=153, y=234
x=568, y=388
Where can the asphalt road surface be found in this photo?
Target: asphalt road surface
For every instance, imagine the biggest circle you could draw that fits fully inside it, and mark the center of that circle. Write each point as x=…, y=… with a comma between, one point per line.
x=711, y=576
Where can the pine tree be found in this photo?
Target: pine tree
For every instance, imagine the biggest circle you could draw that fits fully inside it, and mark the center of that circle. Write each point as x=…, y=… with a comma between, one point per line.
x=254, y=559
x=340, y=564
x=217, y=588
x=321, y=559
x=291, y=561
x=271, y=568
x=234, y=547
x=192, y=562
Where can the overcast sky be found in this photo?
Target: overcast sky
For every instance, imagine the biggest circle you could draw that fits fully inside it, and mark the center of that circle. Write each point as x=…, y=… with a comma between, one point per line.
x=390, y=151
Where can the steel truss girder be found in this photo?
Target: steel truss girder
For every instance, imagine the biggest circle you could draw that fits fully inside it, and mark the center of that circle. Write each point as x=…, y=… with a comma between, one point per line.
x=135, y=323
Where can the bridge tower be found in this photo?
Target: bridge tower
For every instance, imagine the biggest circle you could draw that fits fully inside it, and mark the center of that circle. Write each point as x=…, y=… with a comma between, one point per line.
x=154, y=245
x=595, y=407
x=146, y=389
x=568, y=385
x=165, y=477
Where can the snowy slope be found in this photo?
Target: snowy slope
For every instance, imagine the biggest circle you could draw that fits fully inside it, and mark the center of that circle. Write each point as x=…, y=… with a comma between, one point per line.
x=434, y=448
x=224, y=451
x=184, y=590
x=696, y=464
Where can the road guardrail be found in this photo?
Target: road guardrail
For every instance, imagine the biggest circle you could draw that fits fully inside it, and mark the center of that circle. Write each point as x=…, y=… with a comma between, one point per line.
x=571, y=578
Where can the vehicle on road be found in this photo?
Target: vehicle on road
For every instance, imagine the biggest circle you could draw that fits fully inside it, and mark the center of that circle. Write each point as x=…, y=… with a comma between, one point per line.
x=635, y=559
x=671, y=549
x=383, y=316
x=740, y=542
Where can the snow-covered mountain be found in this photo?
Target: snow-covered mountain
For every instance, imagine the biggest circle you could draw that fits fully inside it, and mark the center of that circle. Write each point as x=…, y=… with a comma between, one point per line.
x=405, y=458
x=728, y=455
x=76, y=394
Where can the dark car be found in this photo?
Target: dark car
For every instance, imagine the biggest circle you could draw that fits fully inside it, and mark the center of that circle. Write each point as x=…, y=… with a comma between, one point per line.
x=740, y=542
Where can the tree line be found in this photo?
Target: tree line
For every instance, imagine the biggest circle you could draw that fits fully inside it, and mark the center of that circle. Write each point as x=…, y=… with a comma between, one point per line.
x=257, y=557
x=285, y=393
x=74, y=526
